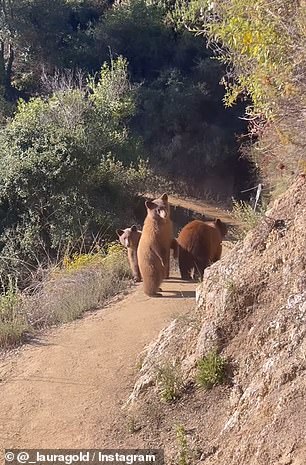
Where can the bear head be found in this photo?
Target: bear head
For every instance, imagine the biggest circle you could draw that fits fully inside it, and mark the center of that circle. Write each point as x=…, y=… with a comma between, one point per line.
x=158, y=208
x=129, y=237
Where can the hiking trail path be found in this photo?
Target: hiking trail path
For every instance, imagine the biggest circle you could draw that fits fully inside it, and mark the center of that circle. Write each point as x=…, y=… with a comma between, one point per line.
x=66, y=389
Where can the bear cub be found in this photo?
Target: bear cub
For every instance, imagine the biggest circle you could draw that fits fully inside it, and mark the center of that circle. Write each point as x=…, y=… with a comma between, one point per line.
x=129, y=238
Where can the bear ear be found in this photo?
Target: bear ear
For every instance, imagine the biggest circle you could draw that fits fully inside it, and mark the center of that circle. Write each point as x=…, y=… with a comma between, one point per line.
x=119, y=232
x=134, y=228
x=222, y=227
x=164, y=197
x=150, y=205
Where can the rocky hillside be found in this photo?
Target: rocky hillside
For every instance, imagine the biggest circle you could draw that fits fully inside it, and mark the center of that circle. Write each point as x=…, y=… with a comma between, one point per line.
x=251, y=308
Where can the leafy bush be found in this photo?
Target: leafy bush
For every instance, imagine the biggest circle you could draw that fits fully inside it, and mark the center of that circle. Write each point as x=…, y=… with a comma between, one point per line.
x=179, y=112
x=136, y=31
x=67, y=163
x=262, y=44
x=28, y=27
x=77, y=261
x=257, y=40
x=182, y=123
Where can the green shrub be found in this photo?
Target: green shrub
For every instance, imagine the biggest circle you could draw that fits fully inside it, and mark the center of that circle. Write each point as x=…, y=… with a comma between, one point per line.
x=210, y=370
x=179, y=112
x=67, y=164
x=262, y=44
x=257, y=40
x=137, y=31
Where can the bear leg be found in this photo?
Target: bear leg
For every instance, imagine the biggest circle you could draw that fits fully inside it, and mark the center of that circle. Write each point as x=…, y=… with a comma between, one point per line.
x=199, y=268
x=167, y=266
x=218, y=253
x=185, y=264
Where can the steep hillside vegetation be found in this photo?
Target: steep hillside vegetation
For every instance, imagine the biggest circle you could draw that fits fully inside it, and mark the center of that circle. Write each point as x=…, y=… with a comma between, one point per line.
x=251, y=311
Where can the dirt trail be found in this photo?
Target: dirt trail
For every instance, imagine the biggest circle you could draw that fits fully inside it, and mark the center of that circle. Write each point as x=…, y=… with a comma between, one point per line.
x=67, y=389
x=203, y=208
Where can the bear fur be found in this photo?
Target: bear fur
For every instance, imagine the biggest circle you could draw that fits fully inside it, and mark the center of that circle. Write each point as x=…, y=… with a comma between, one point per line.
x=129, y=238
x=154, y=245
x=199, y=245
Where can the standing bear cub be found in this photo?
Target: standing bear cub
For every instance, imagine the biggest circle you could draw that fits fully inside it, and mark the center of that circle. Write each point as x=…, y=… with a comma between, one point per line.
x=199, y=245
x=154, y=245
x=129, y=238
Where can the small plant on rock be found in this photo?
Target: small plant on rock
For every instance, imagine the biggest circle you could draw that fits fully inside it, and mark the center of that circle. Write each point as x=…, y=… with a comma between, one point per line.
x=210, y=370
x=246, y=216
x=169, y=380
x=184, y=452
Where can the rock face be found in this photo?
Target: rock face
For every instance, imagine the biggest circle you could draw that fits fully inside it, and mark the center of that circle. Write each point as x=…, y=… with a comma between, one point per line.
x=251, y=307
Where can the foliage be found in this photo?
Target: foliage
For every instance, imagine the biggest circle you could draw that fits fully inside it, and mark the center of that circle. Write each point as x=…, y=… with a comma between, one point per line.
x=169, y=380
x=184, y=449
x=96, y=257
x=136, y=31
x=182, y=123
x=28, y=27
x=257, y=39
x=172, y=66
x=67, y=163
x=13, y=322
x=247, y=217
x=64, y=295
x=210, y=370
x=77, y=261
x=179, y=111
x=263, y=46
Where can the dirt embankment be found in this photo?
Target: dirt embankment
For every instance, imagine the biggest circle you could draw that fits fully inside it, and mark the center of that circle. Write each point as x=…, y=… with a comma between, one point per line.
x=251, y=307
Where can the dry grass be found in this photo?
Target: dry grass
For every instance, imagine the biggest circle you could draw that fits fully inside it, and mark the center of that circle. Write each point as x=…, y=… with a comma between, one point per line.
x=246, y=216
x=65, y=295
x=13, y=320
x=169, y=381
x=182, y=442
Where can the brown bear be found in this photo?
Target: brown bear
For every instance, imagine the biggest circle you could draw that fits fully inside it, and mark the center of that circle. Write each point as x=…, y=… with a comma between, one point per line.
x=199, y=245
x=154, y=245
x=130, y=237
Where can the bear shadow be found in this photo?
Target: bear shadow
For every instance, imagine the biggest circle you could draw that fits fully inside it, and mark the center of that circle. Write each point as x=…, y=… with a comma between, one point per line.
x=178, y=294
